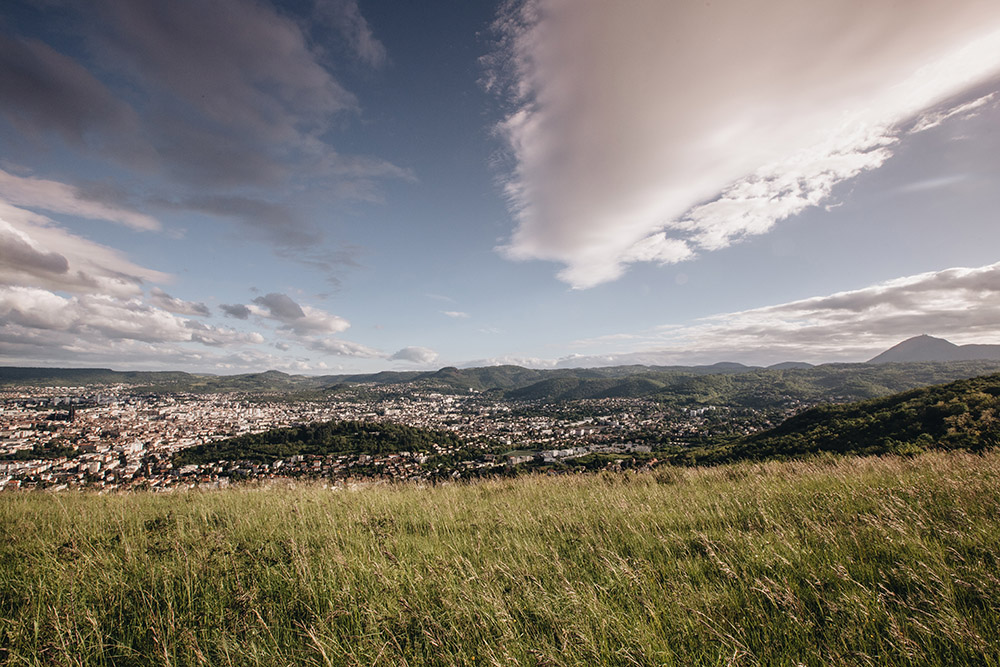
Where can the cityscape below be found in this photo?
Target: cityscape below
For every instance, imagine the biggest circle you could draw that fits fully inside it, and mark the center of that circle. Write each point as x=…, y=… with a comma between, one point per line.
x=92, y=428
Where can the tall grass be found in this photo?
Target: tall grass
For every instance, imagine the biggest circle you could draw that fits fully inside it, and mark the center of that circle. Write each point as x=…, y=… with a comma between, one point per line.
x=858, y=561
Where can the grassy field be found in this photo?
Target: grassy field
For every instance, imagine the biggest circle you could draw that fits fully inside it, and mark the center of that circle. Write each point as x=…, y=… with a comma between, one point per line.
x=853, y=561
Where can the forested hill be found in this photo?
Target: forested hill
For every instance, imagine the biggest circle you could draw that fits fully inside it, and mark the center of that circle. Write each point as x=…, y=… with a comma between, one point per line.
x=754, y=387
x=958, y=415
x=333, y=437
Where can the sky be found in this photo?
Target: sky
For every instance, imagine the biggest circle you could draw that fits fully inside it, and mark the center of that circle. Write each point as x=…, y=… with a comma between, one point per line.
x=345, y=186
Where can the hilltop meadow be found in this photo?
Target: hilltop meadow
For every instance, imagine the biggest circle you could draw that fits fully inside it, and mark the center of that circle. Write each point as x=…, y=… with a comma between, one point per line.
x=833, y=560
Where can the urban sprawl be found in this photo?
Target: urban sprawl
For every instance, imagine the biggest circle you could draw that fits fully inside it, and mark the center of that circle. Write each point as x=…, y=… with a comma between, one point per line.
x=118, y=438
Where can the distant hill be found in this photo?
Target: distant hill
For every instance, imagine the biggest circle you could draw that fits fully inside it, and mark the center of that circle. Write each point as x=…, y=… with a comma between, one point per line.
x=958, y=415
x=929, y=348
x=786, y=365
x=718, y=384
x=332, y=437
x=448, y=379
x=753, y=387
x=66, y=377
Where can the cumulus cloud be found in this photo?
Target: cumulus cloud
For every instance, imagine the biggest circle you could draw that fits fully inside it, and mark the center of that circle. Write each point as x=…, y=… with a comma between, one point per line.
x=653, y=131
x=179, y=306
x=18, y=253
x=236, y=310
x=52, y=321
x=39, y=326
x=280, y=307
x=307, y=326
x=417, y=355
x=219, y=336
x=301, y=320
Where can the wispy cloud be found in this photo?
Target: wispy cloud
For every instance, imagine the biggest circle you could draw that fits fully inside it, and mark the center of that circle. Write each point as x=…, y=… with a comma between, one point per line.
x=961, y=304
x=935, y=118
x=346, y=18
x=220, y=108
x=456, y=314
x=343, y=348
x=36, y=252
x=654, y=131
x=440, y=297
x=44, y=91
x=174, y=305
x=58, y=197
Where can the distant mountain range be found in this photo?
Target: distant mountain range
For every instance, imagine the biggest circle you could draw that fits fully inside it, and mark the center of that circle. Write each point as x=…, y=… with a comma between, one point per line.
x=718, y=384
x=915, y=362
x=929, y=348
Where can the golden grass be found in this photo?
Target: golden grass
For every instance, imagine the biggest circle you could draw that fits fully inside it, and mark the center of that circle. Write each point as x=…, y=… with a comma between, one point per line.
x=866, y=561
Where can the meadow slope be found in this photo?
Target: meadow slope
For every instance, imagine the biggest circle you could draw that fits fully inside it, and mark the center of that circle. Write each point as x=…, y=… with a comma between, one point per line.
x=856, y=561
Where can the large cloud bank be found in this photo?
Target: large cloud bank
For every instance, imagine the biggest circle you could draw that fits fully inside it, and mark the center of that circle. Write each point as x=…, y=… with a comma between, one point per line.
x=653, y=131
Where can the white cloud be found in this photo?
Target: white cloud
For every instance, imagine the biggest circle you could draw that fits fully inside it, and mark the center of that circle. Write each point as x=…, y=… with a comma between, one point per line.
x=932, y=183
x=343, y=348
x=455, y=314
x=58, y=197
x=935, y=118
x=650, y=131
x=417, y=355
x=301, y=320
x=107, y=318
x=307, y=326
x=960, y=304
x=49, y=321
x=36, y=252
x=179, y=306
x=508, y=360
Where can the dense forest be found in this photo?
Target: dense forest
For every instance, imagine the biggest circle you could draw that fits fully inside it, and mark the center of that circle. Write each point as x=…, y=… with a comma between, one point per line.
x=333, y=437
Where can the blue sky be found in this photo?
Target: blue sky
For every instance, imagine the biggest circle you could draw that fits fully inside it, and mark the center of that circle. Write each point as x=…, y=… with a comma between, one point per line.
x=329, y=186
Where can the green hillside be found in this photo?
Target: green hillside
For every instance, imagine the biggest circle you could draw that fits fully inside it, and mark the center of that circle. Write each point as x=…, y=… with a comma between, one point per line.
x=959, y=415
x=751, y=387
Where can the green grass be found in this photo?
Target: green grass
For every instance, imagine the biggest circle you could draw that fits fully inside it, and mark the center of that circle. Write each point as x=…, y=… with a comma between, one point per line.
x=856, y=561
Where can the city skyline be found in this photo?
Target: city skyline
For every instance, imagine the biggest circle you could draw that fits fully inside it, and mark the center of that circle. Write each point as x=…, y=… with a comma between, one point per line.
x=327, y=186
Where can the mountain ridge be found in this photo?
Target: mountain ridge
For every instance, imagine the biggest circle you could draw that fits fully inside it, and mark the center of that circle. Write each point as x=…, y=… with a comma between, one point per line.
x=924, y=348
